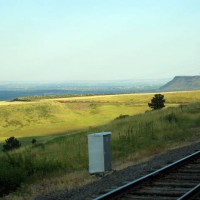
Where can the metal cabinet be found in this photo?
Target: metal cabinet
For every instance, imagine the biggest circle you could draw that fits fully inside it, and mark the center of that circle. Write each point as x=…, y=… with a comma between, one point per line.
x=99, y=150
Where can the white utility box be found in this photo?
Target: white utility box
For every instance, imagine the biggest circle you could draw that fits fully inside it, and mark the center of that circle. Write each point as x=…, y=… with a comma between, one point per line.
x=99, y=148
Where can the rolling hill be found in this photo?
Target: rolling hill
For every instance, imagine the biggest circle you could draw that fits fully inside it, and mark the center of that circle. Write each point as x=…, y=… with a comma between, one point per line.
x=182, y=83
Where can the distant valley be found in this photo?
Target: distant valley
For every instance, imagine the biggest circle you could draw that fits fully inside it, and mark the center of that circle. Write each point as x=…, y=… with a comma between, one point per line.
x=12, y=90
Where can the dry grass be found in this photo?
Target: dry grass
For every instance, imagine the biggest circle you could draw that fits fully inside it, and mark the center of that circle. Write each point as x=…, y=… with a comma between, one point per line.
x=65, y=182
x=172, y=97
x=140, y=157
x=80, y=178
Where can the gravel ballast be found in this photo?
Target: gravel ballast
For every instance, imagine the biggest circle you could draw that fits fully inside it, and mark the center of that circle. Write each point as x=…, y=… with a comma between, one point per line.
x=119, y=178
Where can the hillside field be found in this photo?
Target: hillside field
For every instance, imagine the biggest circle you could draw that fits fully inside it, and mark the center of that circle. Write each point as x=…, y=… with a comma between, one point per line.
x=66, y=115
x=59, y=160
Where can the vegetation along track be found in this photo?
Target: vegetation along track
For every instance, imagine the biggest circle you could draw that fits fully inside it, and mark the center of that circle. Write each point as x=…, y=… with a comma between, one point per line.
x=179, y=180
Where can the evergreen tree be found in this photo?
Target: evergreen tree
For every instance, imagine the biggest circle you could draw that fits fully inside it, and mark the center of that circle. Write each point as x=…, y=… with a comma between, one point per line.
x=157, y=102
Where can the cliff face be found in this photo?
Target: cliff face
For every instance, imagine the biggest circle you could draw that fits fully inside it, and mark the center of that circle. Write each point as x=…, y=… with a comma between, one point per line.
x=182, y=83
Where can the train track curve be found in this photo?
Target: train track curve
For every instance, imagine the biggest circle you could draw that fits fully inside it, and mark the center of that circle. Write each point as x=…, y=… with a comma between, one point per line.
x=179, y=180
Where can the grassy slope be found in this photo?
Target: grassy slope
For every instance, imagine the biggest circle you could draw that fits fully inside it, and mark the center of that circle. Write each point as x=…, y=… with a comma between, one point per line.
x=45, y=118
x=133, y=138
x=49, y=117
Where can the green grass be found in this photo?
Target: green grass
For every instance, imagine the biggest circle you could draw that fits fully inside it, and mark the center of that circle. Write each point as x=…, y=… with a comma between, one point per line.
x=133, y=137
x=143, y=134
x=50, y=117
x=47, y=118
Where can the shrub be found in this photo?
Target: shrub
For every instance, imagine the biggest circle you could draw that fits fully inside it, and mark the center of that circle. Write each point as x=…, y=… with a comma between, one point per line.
x=33, y=141
x=122, y=116
x=11, y=143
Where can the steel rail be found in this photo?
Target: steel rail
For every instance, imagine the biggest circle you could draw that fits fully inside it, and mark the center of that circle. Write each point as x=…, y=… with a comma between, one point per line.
x=121, y=190
x=190, y=193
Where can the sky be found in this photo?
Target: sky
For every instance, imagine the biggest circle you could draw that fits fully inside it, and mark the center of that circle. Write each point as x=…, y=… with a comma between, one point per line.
x=63, y=40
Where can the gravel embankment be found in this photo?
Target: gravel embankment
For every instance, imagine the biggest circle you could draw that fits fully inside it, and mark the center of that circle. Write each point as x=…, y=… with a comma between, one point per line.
x=118, y=178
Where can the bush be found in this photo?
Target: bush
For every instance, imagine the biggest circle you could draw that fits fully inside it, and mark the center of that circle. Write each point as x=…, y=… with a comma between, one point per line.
x=33, y=141
x=122, y=116
x=11, y=143
x=11, y=177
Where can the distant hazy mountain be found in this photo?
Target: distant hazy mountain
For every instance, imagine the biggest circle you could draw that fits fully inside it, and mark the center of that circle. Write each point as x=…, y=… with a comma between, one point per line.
x=182, y=83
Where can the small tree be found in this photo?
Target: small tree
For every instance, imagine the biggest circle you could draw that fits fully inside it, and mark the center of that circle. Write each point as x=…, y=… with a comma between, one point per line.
x=11, y=143
x=157, y=102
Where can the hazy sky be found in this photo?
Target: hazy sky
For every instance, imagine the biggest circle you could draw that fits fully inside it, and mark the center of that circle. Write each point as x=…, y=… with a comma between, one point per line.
x=50, y=40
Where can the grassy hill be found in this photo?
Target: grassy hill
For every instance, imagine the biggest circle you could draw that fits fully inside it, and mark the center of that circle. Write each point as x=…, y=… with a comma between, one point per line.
x=56, y=159
x=66, y=115
x=182, y=83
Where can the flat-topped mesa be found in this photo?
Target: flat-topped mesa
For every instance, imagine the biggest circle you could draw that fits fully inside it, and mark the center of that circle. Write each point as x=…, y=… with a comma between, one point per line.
x=182, y=83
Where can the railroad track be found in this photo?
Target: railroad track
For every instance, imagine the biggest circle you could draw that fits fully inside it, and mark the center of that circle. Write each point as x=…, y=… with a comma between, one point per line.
x=179, y=180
